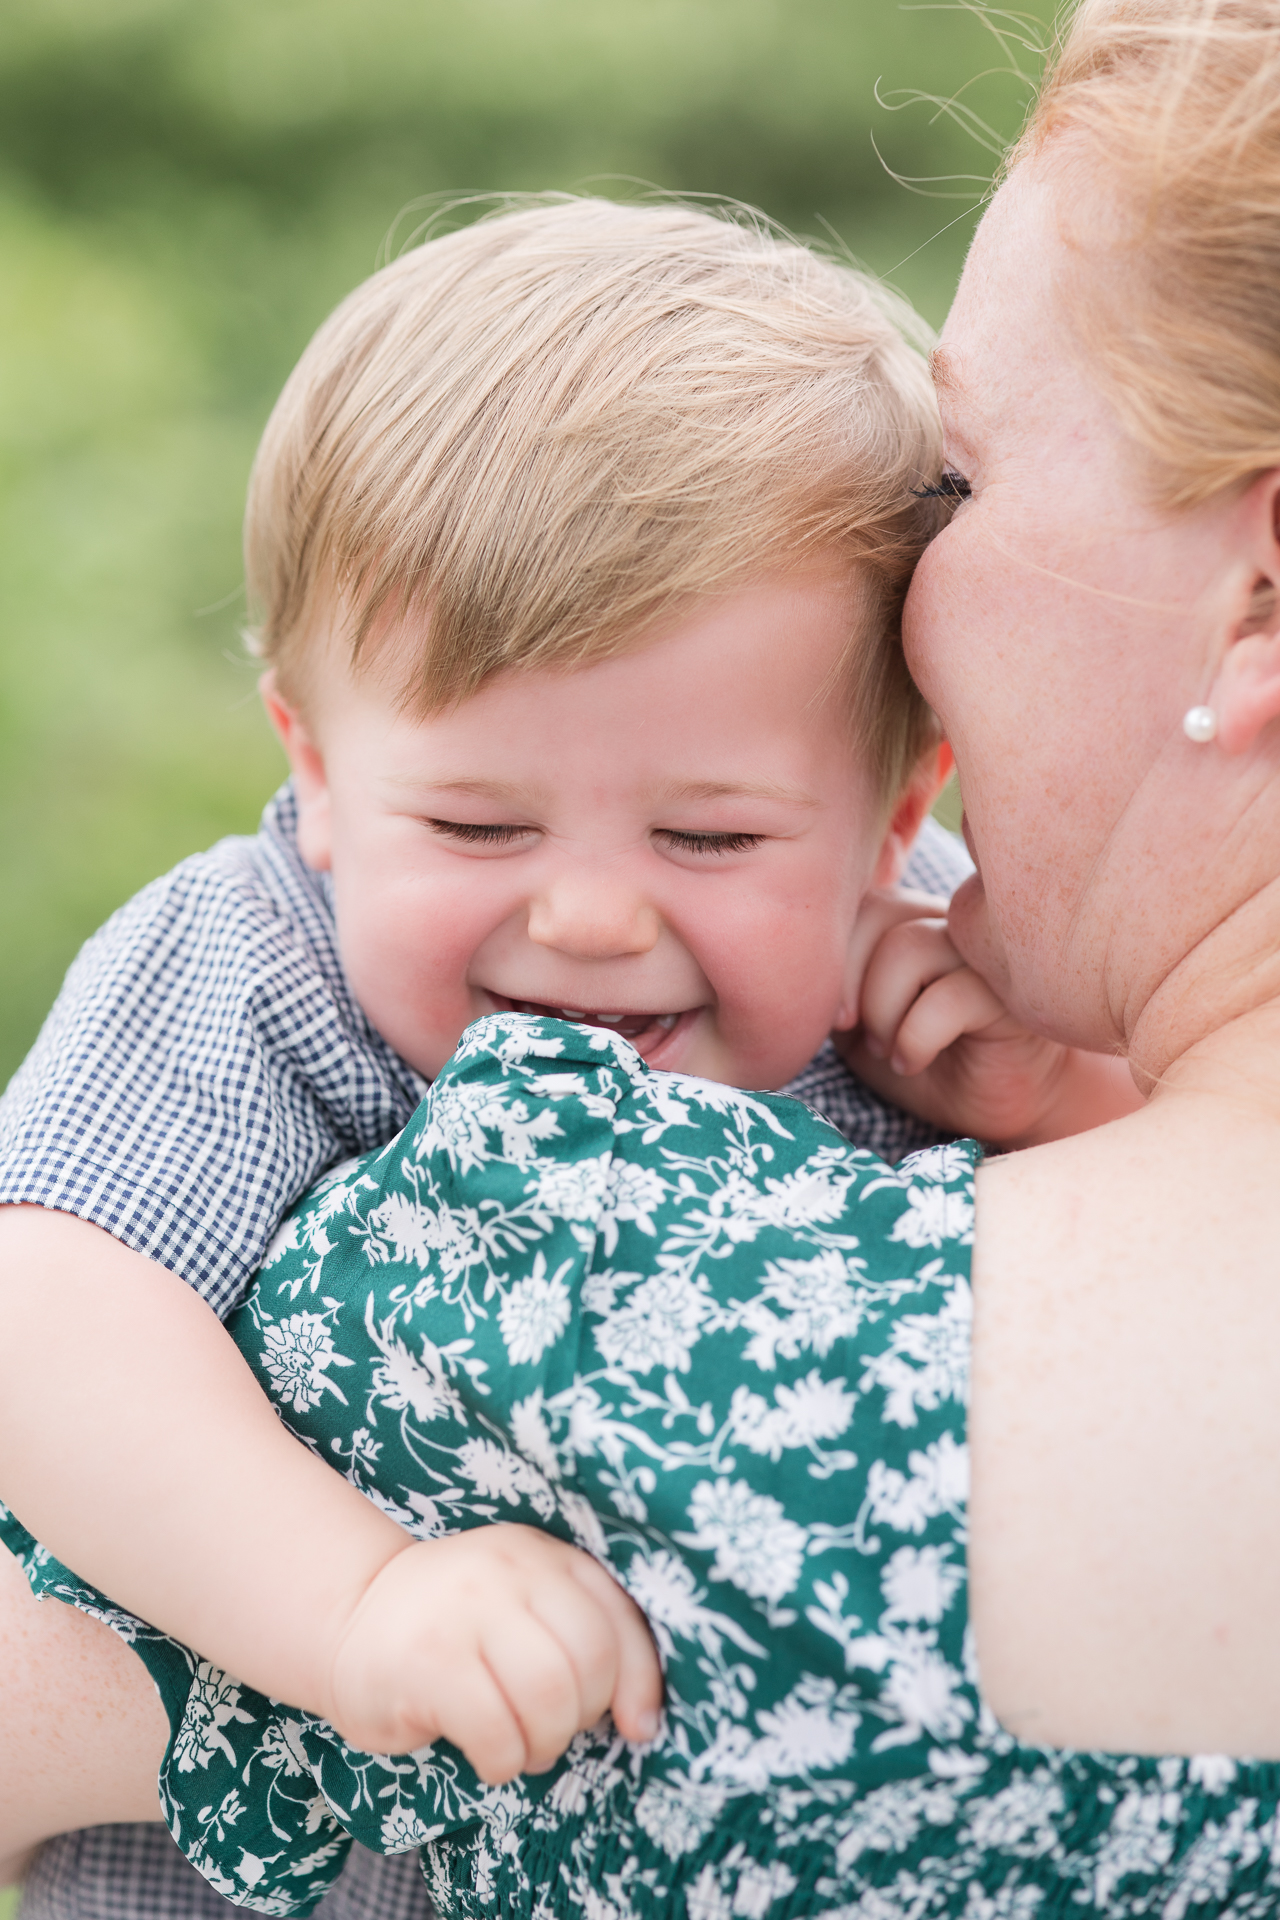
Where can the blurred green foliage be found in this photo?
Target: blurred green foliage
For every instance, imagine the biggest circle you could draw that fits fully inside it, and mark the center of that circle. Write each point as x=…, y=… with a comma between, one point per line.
x=186, y=189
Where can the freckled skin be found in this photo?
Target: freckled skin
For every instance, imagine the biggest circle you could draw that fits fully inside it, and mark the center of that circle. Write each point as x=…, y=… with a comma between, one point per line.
x=1124, y=1576
x=1061, y=627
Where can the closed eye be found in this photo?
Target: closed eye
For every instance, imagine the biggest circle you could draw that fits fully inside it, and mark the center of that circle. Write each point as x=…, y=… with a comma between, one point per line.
x=952, y=486
x=476, y=833
x=709, y=842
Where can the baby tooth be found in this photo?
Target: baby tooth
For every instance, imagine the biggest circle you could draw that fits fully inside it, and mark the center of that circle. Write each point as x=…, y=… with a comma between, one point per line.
x=667, y=1020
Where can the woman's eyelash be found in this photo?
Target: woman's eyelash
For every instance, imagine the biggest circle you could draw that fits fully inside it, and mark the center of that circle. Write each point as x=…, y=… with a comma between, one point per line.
x=478, y=834
x=710, y=842
x=952, y=486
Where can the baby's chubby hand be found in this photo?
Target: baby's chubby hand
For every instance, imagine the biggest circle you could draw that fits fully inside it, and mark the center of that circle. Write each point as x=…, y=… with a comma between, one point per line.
x=933, y=1038
x=503, y=1640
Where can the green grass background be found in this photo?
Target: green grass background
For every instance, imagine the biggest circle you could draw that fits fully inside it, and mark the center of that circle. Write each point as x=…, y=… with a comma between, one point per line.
x=186, y=189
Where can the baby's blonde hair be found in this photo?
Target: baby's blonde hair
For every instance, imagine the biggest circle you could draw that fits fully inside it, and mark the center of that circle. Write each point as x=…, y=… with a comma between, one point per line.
x=556, y=427
x=1177, y=105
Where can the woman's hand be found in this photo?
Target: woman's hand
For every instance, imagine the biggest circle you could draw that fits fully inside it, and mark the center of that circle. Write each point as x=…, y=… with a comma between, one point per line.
x=503, y=1640
x=933, y=1038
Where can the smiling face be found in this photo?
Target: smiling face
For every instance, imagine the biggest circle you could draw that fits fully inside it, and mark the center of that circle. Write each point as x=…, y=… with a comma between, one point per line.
x=673, y=843
x=1061, y=626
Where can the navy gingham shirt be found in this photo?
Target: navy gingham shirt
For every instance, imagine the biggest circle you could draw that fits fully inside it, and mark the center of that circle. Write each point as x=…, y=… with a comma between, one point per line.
x=204, y=1063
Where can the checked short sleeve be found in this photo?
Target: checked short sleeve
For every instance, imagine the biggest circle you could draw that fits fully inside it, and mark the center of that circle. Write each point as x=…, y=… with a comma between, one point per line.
x=204, y=1062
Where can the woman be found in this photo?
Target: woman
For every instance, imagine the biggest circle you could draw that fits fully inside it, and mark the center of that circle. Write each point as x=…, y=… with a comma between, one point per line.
x=1099, y=630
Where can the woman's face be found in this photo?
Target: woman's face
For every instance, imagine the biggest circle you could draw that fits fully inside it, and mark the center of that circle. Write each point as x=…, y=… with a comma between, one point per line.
x=1061, y=626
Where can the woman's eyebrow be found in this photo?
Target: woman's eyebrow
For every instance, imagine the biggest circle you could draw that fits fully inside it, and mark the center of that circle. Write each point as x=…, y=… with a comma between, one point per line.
x=943, y=368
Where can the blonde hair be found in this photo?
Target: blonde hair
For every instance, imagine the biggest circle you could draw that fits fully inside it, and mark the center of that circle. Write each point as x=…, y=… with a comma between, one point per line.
x=1177, y=103
x=552, y=429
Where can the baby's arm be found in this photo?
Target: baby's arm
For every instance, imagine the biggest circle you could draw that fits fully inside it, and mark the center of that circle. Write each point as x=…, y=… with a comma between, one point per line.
x=935, y=1039
x=136, y=1445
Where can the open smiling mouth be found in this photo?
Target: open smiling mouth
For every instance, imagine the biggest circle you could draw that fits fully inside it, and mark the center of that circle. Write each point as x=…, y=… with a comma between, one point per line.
x=646, y=1031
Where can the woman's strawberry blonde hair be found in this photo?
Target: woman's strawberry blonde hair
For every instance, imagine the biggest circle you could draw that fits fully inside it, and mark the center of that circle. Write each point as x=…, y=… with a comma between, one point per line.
x=1177, y=107
x=556, y=427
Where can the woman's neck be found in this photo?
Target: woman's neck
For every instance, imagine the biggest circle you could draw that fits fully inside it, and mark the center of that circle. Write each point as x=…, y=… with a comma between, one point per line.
x=1213, y=1024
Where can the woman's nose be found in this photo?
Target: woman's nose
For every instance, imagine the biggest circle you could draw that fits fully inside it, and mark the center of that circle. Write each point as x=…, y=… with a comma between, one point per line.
x=587, y=916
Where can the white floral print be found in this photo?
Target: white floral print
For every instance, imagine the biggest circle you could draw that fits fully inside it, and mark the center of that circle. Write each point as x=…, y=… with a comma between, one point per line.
x=927, y=1361
x=754, y=1543
x=657, y=1325
x=534, y=1313
x=934, y=1218
x=695, y=1332
x=213, y=1705
x=296, y=1356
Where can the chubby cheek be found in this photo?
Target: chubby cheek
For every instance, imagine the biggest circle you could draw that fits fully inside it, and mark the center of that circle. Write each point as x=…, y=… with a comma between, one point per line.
x=762, y=1048
x=1024, y=920
x=969, y=661
x=778, y=978
x=405, y=949
x=970, y=651
x=933, y=622
x=977, y=937
x=405, y=987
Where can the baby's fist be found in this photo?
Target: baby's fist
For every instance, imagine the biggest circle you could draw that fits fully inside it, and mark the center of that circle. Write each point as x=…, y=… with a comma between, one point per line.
x=503, y=1640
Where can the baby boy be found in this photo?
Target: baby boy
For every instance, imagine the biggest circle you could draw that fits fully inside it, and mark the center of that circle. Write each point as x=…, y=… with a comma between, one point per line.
x=579, y=539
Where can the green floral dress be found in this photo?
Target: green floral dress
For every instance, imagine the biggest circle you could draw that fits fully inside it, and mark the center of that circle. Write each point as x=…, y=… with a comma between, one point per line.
x=697, y=1333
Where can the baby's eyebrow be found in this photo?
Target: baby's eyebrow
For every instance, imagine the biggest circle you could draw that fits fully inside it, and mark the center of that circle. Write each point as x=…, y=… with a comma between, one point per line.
x=738, y=790
x=509, y=793
x=504, y=790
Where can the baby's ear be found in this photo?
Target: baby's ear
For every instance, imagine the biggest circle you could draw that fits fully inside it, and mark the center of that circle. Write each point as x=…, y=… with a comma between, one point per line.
x=931, y=773
x=306, y=763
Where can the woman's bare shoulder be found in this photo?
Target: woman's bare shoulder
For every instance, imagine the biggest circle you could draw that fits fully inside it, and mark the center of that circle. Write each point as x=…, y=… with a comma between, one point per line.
x=1125, y=1429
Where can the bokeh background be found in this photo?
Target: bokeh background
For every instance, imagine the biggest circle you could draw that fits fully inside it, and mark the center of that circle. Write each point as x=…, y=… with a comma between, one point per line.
x=188, y=186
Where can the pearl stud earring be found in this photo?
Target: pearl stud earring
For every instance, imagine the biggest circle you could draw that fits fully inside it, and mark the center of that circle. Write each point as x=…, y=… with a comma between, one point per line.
x=1200, y=724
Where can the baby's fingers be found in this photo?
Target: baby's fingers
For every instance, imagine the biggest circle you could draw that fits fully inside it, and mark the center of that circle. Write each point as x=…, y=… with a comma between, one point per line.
x=469, y=1706
x=636, y=1691
x=540, y=1681
x=908, y=959
x=958, y=1003
x=582, y=1647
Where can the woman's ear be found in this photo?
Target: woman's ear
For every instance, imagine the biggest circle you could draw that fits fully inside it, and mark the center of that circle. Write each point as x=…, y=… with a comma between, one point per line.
x=1246, y=694
x=929, y=778
x=306, y=763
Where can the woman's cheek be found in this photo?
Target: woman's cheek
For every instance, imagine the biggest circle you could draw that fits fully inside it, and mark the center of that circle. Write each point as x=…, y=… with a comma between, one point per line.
x=977, y=937
x=965, y=599
x=924, y=624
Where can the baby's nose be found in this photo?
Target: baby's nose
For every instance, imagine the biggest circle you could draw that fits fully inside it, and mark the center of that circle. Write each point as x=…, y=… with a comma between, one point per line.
x=593, y=918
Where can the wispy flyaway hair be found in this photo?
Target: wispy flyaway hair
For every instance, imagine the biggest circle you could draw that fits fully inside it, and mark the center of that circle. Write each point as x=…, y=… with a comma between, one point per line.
x=1174, y=106
x=553, y=429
